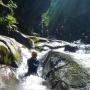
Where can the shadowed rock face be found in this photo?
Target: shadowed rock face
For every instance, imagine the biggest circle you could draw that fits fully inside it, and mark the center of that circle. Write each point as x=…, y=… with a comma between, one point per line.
x=29, y=14
x=67, y=21
x=70, y=19
x=62, y=73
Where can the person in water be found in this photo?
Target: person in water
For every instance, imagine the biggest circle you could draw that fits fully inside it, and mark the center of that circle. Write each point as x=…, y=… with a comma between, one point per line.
x=33, y=64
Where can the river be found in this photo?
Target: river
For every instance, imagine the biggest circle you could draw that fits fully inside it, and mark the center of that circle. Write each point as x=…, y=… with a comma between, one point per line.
x=81, y=56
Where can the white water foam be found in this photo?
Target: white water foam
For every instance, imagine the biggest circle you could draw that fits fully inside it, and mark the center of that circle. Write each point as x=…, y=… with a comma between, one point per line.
x=31, y=82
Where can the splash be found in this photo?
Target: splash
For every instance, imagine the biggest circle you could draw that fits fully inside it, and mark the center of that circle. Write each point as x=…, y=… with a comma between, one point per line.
x=31, y=82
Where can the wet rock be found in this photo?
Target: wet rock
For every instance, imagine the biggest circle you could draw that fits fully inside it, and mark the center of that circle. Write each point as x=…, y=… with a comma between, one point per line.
x=9, y=51
x=21, y=38
x=62, y=73
x=70, y=48
x=7, y=76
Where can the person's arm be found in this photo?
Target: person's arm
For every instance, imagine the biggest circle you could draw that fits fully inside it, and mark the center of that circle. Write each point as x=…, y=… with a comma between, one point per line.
x=36, y=64
x=28, y=62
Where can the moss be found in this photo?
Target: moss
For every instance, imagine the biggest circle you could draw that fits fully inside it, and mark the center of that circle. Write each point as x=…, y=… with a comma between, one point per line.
x=17, y=55
x=37, y=40
x=37, y=45
x=4, y=54
x=34, y=38
x=7, y=57
x=76, y=75
x=74, y=68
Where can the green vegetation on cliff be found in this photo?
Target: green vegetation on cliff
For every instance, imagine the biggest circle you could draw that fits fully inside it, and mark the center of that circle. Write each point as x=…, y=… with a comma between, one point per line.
x=7, y=19
x=58, y=18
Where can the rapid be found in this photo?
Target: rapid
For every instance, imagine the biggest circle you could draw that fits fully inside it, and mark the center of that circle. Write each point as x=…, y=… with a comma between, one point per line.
x=81, y=56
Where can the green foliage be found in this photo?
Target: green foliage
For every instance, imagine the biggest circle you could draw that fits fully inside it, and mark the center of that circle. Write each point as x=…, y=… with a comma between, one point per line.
x=9, y=22
x=1, y=19
x=11, y=4
x=45, y=19
x=50, y=17
x=10, y=19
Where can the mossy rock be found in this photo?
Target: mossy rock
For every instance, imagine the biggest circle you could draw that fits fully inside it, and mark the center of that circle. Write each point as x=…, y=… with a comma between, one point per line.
x=9, y=51
x=72, y=73
x=4, y=55
x=38, y=40
x=76, y=76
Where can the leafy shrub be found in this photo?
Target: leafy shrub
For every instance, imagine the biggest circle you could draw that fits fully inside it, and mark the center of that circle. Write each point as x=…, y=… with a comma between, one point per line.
x=10, y=19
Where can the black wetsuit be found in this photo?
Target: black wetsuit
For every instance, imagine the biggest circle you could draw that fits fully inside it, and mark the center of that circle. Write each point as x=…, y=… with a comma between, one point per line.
x=33, y=64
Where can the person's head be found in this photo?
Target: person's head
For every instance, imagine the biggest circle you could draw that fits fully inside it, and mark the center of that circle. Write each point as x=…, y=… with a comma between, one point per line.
x=34, y=54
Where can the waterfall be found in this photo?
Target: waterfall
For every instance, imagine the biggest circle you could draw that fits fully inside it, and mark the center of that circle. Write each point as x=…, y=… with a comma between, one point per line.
x=80, y=56
x=31, y=82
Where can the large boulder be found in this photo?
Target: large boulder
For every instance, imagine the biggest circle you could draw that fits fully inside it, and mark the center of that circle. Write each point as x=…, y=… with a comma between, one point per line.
x=19, y=37
x=9, y=51
x=62, y=73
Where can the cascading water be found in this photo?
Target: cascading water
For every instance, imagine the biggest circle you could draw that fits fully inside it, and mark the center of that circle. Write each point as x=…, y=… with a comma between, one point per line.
x=81, y=57
x=31, y=82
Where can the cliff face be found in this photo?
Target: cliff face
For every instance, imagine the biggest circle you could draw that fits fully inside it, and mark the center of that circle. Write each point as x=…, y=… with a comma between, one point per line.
x=66, y=20
x=29, y=14
x=69, y=19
